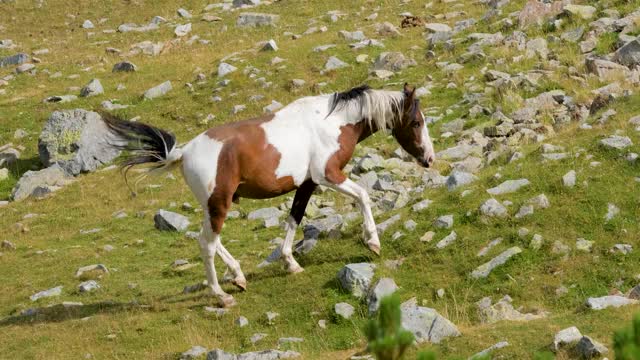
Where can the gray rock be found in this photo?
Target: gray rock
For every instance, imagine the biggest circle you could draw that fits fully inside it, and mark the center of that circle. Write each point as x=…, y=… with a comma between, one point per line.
x=616, y=142
x=7, y=245
x=241, y=3
x=503, y=310
x=484, y=353
x=612, y=211
x=40, y=183
x=344, y=310
x=459, y=178
x=270, y=46
x=193, y=353
x=91, y=268
x=182, y=30
x=16, y=59
x=587, y=348
x=410, y=225
x=628, y=55
x=539, y=202
x=508, y=187
x=257, y=337
x=272, y=108
x=158, y=91
x=88, y=286
x=352, y=36
x=56, y=291
x=609, y=301
x=437, y=27
x=384, y=287
x=447, y=240
x=93, y=88
x=334, y=63
x=525, y=210
x=224, y=69
x=170, y=221
x=460, y=152
x=566, y=337
x=422, y=205
x=130, y=27
x=569, y=179
x=493, y=208
x=60, y=98
x=241, y=321
x=87, y=24
x=184, y=13
x=392, y=61
x=383, y=226
x=444, y=222
x=265, y=213
x=271, y=317
x=485, y=269
x=256, y=19
x=426, y=324
x=489, y=246
x=255, y=355
x=77, y=140
x=124, y=66
x=356, y=278
x=624, y=249
x=25, y=68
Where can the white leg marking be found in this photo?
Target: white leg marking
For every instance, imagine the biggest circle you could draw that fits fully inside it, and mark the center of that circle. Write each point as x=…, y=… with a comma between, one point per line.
x=349, y=187
x=239, y=279
x=287, y=244
x=208, y=246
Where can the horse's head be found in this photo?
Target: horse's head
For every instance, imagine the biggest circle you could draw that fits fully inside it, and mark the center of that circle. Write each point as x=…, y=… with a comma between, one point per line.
x=411, y=131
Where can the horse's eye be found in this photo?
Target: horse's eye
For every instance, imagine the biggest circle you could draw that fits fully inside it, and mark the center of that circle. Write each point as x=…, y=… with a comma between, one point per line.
x=416, y=124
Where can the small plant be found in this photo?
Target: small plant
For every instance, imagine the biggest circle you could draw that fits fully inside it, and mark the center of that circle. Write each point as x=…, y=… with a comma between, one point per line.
x=626, y=342
x=387, y=339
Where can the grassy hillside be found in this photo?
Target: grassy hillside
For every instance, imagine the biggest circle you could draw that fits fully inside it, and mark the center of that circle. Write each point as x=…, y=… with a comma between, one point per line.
x=140, y=311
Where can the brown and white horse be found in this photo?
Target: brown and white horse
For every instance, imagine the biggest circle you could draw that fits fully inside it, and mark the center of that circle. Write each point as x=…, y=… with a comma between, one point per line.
x=306, y=143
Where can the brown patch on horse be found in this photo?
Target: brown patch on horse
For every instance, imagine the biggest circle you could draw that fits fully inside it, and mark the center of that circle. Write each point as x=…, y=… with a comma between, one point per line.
x=350, y=135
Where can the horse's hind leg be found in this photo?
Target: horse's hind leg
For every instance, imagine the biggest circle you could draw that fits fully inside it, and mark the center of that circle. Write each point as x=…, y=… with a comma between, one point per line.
x=209, y=242
x=300, y=201
x=238, y=277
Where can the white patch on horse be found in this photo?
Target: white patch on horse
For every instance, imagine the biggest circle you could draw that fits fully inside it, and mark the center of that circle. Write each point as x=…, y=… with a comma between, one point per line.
x=200, y=166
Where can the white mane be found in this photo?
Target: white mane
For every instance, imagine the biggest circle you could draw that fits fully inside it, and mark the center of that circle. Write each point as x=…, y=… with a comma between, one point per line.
x=379, y=108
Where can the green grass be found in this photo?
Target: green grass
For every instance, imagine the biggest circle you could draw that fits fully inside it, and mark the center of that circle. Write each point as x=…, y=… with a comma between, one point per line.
x=154, y=320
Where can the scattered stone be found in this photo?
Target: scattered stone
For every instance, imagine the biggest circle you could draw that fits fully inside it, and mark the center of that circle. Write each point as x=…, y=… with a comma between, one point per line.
x=334, y=63
x=384, y=287
x=225, y=69
x=124, y=66
x=447, y=240
x=257, y=19
x=587, y=348
x=7, y=245
x=182, y=30
x=158, y=91
x=25, y=68
x=628, y=55
x=485, y=353
x=503, y=310
x=170, y=221
x=493, y=208
x=427, y=237
x=383, y=226
x=272, y=108
x=344, y=310
x=604, y=302
x=218, y=354
x=241, y=321
x=536, y=12
x=56, y=291
x=539, y=202
x=356, y=278
x=422, y=205
x=444, y=222
x=459, y=178
x=95, y=268
x=270, y=46
x=612, y=211
x=437, y=27
x=489, y=246
x=508, y=187
x=93, y=88
x=193, y=353
x=40, y=183
x=584, y=245
x=569, y=179
x=392, y=61
x=17, y=59
x=582, y=11
x=616, y=142
x=525, y=210
x=88, y=286
x=485, y=269
x=426, y=324
x=184, y=13
x=566, y=337
x=623, y=249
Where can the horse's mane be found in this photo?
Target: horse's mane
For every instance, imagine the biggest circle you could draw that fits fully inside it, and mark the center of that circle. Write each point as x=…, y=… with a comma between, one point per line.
x=380, y=108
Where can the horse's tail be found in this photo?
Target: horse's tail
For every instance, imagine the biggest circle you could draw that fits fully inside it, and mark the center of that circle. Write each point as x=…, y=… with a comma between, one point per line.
x=143, y=144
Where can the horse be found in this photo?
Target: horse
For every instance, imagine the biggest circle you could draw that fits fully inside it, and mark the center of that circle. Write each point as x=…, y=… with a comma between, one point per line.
x=305, y=144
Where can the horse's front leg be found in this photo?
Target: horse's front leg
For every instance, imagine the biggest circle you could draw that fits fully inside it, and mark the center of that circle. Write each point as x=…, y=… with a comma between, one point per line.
x=300, y=201
x=341, y=183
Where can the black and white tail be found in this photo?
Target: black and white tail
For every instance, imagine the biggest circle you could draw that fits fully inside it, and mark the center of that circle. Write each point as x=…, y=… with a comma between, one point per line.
x=143, y=144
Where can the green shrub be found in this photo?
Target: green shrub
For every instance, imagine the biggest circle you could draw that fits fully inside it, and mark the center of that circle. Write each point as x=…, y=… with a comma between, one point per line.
x=626, y=342
x=387, y=339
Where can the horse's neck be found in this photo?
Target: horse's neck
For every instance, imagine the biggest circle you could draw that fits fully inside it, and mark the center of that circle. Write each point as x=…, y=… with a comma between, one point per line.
x=366, y=129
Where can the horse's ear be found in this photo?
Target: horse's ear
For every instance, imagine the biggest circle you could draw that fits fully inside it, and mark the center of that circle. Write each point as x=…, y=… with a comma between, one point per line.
x=409, y=91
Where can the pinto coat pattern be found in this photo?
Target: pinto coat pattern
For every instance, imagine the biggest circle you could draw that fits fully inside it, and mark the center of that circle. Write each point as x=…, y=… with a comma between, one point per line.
x=305, y=144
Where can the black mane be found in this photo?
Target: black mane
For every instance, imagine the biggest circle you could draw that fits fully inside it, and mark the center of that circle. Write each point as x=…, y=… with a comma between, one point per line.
x=339, y=100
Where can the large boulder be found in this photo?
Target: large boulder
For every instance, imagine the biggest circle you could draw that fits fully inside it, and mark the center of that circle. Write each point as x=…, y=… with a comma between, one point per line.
x=356, y=278
x=425, y=323
x=77, y=140
x=218, y=354
x=40, y=183
x=629, y=54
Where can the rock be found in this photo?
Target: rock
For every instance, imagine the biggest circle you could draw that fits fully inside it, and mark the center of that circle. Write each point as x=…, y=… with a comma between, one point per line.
x=7, y=245
x=616, y=142
x=426, y=324
x=257, y=19
x=459, y=178
x=272, y=108
x=256, y=355
x=444, y=222
x=95, y=268
x=170, y=221
x=437, y=27
x=539, y=202
x=525, y=210
x=485, y=353
x=606, y=70
x=77, y=140
x=129, y=27
x=40, y=183
x=460, y=152
x=582, y=11
x=25, y=68
x=352, y=36
x=193, y=353
x=387, y=29
x=344, y=310
x=536, y=12
x=241, y=321
x=624, y=249
x=17, y=59
x=334, y=63
x=158, y=91
x=270, y=46
x=485, y=269
x=493, y=208
x=584, y=245
x=56, y=291
x=573, y=36
x=257, y=337
x=612, y=211
x=241, y=3
x=182, y=30
x=60, y=98
x=566, y=337
x=225, y=69
x=93, y=88
x=88, y=286
x=87, y=24
x=537, y=48
x=447, y=240
x=569, y=179
x=184, y=13
x=384, y=287
x=508, y=187
x=587, y=348
x=383, y=226
x=271, y=317
x=410, y=225
x=421, y=205
x=124, y=66
x=628, y=55
x=265, y=213
x=356, y=278
x=609, y=301
x=503, y=310
x=392, y=61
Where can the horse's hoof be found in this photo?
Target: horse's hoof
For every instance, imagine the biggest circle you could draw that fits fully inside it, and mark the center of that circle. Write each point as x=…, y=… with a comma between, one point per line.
x=375, y=248
x=227, y=301
x=295, y=269
x=240, y=283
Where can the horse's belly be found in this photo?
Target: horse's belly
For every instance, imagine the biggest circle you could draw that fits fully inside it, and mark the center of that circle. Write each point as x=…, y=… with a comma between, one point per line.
x=265, y=188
